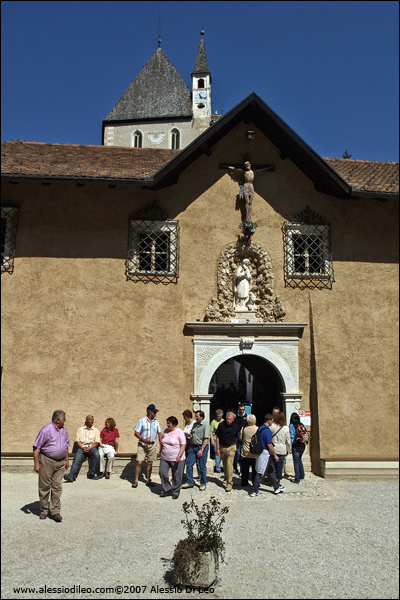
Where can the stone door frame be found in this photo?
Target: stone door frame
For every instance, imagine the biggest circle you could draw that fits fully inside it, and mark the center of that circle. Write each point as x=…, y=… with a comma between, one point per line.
x=277, y=343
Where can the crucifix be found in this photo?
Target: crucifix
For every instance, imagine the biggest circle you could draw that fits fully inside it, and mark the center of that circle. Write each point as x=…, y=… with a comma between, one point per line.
x=247, y=189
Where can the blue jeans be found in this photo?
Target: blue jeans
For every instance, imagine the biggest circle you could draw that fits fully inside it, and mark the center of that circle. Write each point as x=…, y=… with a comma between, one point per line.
x=192, y=458
x=279, y=466
x=93, y=458
x=297, y=452
x=217, y=463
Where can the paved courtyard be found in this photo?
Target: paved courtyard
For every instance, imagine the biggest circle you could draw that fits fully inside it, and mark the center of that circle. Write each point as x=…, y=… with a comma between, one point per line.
x=322, y=539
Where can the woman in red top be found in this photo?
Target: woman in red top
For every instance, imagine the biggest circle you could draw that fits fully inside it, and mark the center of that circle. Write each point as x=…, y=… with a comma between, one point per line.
x=109, y=437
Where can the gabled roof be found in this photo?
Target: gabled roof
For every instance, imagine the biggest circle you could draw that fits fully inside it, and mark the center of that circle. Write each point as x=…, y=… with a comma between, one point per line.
x=158, y=168
x=22, y=159
x=157, y=92
x=254, y=110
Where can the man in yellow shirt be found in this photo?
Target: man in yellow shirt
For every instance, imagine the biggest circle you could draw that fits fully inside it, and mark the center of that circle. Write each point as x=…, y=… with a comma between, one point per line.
x=87, y=441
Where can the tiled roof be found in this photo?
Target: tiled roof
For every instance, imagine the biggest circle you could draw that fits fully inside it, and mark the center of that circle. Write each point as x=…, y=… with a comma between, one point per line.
x=113, y=162
x=158, y=91
x=201, y=64
x=366, y=175
x=75, y=161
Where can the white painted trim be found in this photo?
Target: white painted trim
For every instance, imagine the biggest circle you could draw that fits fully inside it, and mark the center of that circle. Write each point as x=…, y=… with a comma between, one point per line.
x=133, y=134
x=173, y=131
x=214, y=343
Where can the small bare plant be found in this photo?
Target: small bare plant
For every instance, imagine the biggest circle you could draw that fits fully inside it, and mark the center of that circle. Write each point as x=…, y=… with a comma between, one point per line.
x=203, y=525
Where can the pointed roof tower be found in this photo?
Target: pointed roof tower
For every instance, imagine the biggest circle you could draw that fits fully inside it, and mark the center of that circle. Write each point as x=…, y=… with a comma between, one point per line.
x=157, y=92
x=201, y=65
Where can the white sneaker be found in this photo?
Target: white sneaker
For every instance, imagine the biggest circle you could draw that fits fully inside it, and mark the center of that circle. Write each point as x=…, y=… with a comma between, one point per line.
x=279, y=490
x=254, y=494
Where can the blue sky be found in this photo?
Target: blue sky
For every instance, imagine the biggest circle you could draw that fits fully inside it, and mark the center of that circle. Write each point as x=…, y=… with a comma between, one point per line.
x=329, y=69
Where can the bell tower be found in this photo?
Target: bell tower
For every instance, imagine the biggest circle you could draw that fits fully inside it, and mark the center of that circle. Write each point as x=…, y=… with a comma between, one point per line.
x=201, y=90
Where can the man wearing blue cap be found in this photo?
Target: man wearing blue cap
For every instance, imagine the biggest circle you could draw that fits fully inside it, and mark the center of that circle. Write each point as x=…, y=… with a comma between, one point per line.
x=147, y=430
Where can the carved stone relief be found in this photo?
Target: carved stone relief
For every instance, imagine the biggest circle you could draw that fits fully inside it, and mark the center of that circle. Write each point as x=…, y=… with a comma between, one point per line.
x=269, y=307
x=204, y=354
x=289, y=354
x=246, y=343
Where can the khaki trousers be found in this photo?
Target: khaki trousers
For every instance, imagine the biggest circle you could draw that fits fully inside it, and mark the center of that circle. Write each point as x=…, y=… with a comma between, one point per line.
x=227, y=457
x=50, y=484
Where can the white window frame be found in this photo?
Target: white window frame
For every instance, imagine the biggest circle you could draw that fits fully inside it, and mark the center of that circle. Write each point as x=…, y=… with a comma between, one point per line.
x=175, y=132
x=134, y=134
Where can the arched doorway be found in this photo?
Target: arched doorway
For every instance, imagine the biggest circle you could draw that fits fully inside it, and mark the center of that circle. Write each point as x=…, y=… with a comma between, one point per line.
x=269, y=351
x=250, y=379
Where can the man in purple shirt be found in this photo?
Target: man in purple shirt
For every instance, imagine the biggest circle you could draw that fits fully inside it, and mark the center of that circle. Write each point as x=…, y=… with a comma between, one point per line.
x=50, y=456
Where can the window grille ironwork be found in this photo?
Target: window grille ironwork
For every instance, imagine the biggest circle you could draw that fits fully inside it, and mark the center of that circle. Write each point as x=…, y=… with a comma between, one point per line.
x=153, y=251
x=307, y=252
x=9, y=225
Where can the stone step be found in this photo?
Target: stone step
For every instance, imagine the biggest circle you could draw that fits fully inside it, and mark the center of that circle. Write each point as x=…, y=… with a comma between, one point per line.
x=127, y=466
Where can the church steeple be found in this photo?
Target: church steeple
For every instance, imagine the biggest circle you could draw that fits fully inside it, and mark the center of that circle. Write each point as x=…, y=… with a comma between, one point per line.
x=158, y=109
x=201, y=88
x=201, y=65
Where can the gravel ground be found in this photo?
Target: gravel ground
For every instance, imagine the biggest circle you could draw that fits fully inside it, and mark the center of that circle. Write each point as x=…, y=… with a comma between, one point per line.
x=321, y=539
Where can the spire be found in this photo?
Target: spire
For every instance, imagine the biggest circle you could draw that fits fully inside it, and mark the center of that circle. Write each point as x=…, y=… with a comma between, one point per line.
x=201, y=65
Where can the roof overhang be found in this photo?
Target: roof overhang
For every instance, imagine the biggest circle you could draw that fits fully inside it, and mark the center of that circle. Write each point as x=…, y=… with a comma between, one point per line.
x=254, y=110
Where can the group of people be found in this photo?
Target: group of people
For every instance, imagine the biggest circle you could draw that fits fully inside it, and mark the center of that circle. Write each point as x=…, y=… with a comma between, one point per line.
x=229, y=438
x=51, y=458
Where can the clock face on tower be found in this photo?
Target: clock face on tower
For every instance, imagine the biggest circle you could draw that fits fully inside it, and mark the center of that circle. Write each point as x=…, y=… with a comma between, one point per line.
x=200, y=97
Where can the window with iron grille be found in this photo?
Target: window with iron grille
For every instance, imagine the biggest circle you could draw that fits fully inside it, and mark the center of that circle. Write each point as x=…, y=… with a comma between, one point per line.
x=153, y=251
x=307, y=253
x=9, y=224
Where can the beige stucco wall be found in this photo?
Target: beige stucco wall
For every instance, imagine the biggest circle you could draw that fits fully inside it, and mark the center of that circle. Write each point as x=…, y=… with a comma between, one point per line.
x=76, y=335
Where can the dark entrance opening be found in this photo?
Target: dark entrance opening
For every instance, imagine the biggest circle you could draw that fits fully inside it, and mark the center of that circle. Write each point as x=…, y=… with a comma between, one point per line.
x=249, y=379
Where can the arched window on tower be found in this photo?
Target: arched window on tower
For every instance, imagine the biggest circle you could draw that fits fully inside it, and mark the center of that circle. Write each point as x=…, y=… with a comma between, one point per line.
x=137, y=139
x=200, y=83
x=175, y=139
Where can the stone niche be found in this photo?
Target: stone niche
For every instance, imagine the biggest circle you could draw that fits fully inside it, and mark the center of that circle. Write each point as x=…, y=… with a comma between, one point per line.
x=269, y=307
